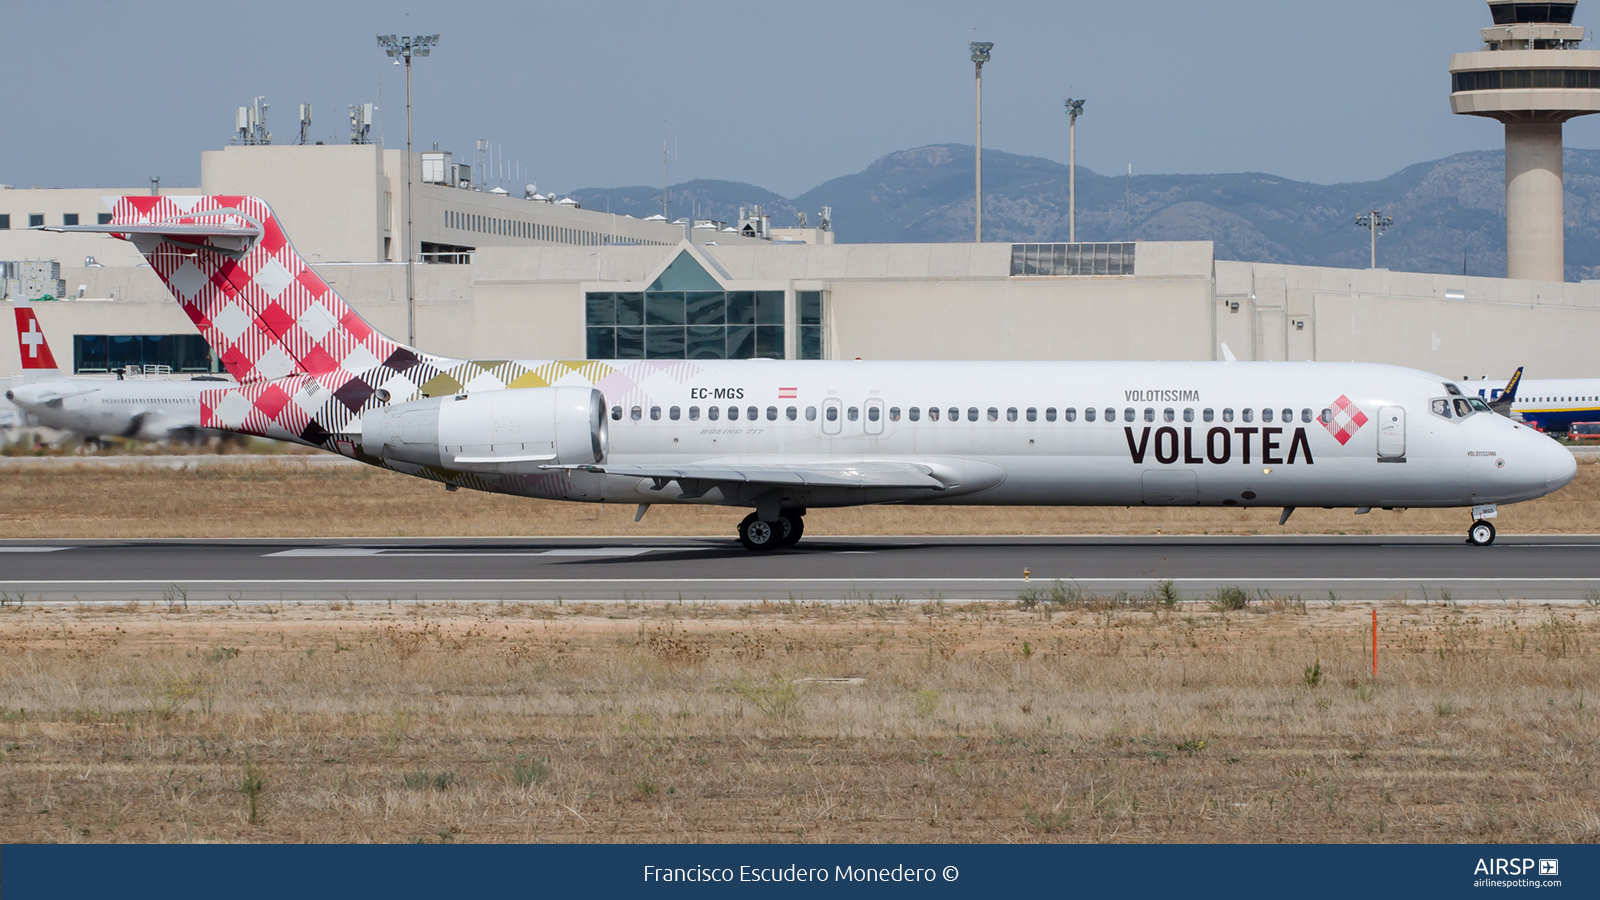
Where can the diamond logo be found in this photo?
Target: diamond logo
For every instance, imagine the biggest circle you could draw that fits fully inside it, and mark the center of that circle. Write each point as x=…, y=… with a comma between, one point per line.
x=1343, y=419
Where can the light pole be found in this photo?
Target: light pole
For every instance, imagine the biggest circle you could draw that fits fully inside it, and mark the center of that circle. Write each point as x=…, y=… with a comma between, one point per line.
x=980, y=55
x=1074, y=110
x=1374, y=221
x=404, y=47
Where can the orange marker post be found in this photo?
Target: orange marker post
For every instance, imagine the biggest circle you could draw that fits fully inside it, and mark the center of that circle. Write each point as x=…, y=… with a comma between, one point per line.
x=1374, y=643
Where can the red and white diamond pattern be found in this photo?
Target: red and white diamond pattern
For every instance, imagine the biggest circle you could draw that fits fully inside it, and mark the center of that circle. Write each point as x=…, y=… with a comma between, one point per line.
x=266, y=314
x=1347, y=420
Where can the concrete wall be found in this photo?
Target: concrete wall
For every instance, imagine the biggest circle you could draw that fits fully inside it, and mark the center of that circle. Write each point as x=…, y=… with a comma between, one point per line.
x=952, y=301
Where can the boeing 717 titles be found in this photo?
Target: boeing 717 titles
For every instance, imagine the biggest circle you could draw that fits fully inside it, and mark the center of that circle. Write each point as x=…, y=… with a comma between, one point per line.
x=779, y=438
x=148, y=410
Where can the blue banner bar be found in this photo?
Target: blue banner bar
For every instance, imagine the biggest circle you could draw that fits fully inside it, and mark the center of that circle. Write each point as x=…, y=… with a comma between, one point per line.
x=1181, y=872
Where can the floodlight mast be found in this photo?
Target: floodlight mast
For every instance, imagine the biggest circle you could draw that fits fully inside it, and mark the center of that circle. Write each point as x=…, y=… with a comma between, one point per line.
x=400, y=47
x=980, y=55
x=1374, y=221
x=1074, y=110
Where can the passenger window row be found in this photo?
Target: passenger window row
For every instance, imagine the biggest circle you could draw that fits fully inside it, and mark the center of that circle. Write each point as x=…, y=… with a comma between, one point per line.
x=752, y=413
x=973, y=414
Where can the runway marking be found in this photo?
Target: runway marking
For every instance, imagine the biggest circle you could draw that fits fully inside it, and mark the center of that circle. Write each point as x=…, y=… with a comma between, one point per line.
x=401, y=552
x=1417, y=580
x=32, y=549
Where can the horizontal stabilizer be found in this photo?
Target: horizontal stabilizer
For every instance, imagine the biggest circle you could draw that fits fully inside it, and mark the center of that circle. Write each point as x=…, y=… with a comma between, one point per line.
x=227, y=231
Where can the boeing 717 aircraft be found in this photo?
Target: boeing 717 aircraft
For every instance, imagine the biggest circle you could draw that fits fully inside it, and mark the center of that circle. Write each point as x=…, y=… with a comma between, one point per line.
x=781, y=437
x=148, y=410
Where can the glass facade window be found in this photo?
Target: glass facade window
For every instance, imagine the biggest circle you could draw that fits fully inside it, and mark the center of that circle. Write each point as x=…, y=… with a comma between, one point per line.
x=1072, y=259
x=685, y=314
x=808, y=307
x=69, y=219
x=1533, y=13
x=1507, y=79
x=114, y=352
x=36, y=220
x=104, y=219
x=684, y=325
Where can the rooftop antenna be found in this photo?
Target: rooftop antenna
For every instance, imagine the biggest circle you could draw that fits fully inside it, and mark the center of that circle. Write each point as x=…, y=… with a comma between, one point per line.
x=305, y=121
x=250, y=127
x=361, y=122
x=483, y=174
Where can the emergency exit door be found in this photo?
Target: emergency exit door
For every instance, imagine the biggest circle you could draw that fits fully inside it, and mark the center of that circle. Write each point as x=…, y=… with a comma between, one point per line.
x=1392, y=433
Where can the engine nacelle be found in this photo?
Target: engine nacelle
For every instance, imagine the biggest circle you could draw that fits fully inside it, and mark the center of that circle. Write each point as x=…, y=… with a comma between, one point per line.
x=511, y=430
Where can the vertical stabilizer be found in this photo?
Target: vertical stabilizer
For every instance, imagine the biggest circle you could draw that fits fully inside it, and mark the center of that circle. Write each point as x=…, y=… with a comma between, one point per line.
x=38, y=363
x=262, y=309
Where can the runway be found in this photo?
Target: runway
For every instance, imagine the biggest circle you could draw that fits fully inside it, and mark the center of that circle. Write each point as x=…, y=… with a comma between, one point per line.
x=1544, y=568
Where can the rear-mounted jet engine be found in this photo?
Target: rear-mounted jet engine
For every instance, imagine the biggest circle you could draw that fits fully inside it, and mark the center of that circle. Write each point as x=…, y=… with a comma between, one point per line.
x=506, y=431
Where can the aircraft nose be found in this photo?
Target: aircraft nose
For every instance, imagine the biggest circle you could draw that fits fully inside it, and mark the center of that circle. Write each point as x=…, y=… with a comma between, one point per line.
x=1560, y=466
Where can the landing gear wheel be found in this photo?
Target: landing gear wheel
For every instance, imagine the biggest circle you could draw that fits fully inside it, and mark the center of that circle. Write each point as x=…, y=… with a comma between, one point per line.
x=1481, y=534
x=793, y=526
x=757, y=535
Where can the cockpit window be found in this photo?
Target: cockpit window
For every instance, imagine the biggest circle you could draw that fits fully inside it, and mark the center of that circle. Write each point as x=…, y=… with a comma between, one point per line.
x=1441, y=408
x=1451, y=389
x=1463, y=409
x=1478, y=405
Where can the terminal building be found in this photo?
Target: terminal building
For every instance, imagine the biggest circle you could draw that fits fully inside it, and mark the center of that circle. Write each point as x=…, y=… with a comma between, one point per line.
x=505, y=274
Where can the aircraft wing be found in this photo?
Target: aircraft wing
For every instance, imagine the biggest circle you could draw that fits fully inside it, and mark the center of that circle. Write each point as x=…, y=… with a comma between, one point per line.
x=697, y=478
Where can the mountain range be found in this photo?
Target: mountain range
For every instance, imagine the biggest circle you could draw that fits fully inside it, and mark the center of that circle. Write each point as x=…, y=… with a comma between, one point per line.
x=1449, y=214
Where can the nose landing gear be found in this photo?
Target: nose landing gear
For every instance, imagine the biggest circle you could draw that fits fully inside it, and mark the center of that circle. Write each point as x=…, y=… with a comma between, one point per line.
x=757, y=535
x=1481, y=534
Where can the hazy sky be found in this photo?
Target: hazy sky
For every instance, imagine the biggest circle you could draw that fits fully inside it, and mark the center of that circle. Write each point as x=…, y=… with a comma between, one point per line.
x=783, y=95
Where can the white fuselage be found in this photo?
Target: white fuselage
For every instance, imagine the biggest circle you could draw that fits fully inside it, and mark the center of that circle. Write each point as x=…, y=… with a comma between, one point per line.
x=95, y=407
x=1070, y=433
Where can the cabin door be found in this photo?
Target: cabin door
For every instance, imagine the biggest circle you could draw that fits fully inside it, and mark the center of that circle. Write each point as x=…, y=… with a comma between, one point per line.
x=1392, y=433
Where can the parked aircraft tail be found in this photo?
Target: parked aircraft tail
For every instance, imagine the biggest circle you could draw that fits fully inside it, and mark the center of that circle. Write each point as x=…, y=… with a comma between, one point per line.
x=38, y=363
x=1502, y=404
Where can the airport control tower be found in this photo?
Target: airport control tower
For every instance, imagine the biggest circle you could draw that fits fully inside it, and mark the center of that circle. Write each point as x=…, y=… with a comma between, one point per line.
x=1530, y=75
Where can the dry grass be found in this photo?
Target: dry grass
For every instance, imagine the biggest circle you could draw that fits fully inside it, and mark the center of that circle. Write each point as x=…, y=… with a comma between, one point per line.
x=282, y=500
x=1068, y=721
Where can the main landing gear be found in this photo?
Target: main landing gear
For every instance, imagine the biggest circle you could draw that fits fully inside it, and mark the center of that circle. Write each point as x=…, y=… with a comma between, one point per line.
x=755, y=534
x=1481, y=534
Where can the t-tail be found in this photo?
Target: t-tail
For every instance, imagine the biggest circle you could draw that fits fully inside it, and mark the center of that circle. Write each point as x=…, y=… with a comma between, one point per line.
x=38, y=363
x=281, y=331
